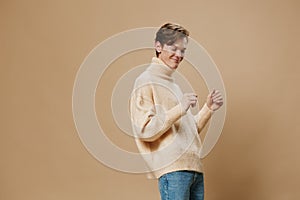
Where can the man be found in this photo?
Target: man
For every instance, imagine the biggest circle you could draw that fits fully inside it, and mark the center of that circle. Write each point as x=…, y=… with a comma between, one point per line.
x=166, y=132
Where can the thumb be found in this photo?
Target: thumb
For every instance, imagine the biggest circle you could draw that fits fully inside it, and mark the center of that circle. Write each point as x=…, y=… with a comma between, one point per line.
x=212, y=92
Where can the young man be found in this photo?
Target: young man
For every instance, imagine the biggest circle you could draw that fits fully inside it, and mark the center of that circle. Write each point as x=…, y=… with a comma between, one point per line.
x=167, y=133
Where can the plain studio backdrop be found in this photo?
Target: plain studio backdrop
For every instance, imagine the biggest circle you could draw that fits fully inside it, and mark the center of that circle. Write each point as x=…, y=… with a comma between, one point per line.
x=255, y=45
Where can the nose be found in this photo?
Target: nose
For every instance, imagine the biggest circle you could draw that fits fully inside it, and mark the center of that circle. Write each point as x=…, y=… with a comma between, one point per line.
x=179, y=53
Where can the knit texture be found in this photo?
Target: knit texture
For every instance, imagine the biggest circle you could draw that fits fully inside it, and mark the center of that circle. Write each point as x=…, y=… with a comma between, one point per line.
x=166, y=135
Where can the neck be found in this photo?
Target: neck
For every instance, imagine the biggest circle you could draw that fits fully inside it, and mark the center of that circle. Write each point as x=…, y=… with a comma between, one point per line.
x=159, y=68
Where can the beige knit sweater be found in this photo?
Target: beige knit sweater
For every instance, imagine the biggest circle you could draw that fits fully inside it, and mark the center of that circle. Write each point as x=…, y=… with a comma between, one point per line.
x=165, y=134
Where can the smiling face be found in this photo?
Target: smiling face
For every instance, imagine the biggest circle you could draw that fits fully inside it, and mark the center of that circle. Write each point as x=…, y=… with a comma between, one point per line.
x=173, y=54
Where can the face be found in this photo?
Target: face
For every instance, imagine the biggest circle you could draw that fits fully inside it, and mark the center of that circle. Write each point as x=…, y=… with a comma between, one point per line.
x=173, y=54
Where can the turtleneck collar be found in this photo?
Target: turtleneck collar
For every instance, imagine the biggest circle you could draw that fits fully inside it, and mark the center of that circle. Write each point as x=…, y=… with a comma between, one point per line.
x=159, y=68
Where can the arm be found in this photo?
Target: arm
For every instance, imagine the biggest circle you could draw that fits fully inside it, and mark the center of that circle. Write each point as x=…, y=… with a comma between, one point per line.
x=150, y=121
x=213, y=102
x=202, y=117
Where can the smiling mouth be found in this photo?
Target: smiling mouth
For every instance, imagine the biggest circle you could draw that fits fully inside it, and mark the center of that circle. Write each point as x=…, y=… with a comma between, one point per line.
x=176, y=60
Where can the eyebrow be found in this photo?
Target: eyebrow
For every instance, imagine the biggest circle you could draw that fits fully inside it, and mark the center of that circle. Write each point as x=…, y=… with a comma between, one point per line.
x=178, y=46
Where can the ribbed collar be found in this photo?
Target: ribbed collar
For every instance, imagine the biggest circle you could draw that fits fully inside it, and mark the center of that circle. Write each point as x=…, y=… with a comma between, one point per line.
x=159, y=68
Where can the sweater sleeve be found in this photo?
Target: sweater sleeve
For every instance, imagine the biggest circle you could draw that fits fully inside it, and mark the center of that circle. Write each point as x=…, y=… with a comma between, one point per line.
x=150, y=121
x=202, y=117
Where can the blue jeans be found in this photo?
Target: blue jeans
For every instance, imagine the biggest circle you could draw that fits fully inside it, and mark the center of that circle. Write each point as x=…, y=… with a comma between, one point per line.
x=181, y=185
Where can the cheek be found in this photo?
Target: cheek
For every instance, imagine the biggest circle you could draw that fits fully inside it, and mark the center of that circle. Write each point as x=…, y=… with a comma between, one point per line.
x=168, y=56
x=171, y=55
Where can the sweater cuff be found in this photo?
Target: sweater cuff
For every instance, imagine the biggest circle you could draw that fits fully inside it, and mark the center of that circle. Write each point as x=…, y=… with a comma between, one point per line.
x=207, y=109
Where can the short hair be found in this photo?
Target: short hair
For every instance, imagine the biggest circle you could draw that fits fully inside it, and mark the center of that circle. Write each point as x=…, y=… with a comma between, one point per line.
x=169, y=33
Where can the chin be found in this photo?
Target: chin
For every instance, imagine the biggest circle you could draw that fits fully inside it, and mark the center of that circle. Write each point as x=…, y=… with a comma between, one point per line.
x=172, y=66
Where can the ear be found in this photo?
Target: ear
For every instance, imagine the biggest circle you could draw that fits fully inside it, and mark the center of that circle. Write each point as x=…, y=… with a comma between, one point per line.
x=158, y=46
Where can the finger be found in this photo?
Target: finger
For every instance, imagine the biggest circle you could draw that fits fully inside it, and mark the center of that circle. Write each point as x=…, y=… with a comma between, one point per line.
x=192, y=97
x=218, y=97
x=191, y=94
x=217, y=92
x=219, y=102
x=211, y=93
x=193, y=100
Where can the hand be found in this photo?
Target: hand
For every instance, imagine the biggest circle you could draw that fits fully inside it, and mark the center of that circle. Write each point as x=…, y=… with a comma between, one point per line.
x=214, y=100
x=188, y=99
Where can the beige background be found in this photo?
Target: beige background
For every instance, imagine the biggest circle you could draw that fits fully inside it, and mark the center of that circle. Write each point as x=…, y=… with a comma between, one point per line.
x=254, y=43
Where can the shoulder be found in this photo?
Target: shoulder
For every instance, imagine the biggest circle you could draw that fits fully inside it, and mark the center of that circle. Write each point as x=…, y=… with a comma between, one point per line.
x=144, y=78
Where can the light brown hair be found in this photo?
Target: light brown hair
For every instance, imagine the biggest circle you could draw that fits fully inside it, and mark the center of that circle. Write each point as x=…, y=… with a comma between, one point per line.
x=169, y=33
